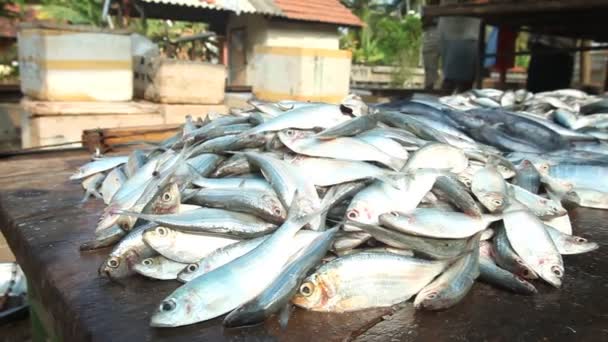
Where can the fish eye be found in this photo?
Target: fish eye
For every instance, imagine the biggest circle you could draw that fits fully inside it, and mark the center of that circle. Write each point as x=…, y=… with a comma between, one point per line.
x=290, y=132
x=525, y=273
x=306, y=289
x=168, y=305
x=580, y=239
x=431, y=295
x=113, y=262
x=147, y=262
x=161, y=231
x=353, y=214
x=277, y=211
x=497, y=202
x=394, y=213
x=192, y=268
x=167, y=197
x=557, y=271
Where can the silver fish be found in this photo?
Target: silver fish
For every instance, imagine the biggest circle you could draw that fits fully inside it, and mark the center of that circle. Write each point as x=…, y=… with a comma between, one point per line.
x=91, y=184
x=278, y=294
x=567, y=244
x=113, y=181
x=437, y=224
x=340, y=148
x=213, y=221
x=438, y=156
x=490, y=188
x=263, y=204
x=233, y=284
x=99, y=165
x=345, y=284
x=491, y=273
x=305, y=117
x=533, y=244
x=183, y=247
x=159, y=267
x=453, y=284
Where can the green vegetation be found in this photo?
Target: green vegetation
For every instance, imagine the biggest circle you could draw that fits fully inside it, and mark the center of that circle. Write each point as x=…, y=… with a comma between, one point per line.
x=388, y=38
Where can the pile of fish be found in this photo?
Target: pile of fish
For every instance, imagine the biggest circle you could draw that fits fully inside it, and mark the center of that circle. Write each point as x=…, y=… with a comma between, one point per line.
x=345, y=207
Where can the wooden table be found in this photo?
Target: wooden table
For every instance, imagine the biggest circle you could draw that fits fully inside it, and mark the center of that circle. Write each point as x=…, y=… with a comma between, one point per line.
x=44, y=225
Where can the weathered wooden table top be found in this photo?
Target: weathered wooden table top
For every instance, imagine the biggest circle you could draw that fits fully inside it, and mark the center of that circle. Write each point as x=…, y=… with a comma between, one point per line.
x=44, y=224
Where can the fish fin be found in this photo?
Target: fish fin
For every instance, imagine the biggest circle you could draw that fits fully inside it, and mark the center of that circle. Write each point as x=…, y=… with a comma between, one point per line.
x=284, y=315
x=388, y=180
x=87, y=194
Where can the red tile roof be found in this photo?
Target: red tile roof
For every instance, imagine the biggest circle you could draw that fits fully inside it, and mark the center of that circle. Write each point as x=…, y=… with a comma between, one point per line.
x=324, y=11
x=8, y=26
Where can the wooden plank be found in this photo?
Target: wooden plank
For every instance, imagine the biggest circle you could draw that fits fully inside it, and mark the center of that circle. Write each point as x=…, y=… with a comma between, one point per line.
x=108, y=138
x=40, y=108
x=44, y=224
x=56, y=129
x=512, y=7
x=177, y=81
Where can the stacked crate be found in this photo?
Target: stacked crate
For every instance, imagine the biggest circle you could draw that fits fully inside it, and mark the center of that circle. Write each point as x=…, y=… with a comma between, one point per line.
x=77, y=78
x=180, y=87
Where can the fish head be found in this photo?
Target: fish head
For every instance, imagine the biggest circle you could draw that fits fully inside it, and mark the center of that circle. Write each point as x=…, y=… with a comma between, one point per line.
x=397, y=218
x=80, y=172
x=290, y=135
x=176, y=311
x=553, y=208
x=312, y=294
x=543, y=168
x=148, y=266
x=362, y=212
x=524, y=270
x=167, y=201
x=190, y=272
x=126, y=223
x=578, y=245
x=493, y=201
x=552, y=271
x=160, y=238
x=432, y=298
x=274, y=206
x=118, y=266
x=505, y=171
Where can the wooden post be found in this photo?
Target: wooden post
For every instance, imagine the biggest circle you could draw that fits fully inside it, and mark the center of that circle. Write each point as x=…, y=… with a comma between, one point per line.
x=585, y=64
x=481, y=53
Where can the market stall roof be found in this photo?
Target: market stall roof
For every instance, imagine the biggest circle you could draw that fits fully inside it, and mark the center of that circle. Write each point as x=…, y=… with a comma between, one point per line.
x=573, y=18
x=321, y=11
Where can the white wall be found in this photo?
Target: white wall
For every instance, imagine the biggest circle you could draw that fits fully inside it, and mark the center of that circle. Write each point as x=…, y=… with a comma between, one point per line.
x=256, y=28
x=261, y=31
x=305, y=35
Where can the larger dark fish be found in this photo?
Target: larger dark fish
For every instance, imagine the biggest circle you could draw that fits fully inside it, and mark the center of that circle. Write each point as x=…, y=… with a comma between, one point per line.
x=521, y=127
x=429, y=247
x=349, y=128
x=430, y=109
x=263, y=204
x=490, y=273
x=453, y=284
x=280, y=291
x=527, y=176
x=410, y=124
x=456, y=193
x=506, y=257
x=503, y=140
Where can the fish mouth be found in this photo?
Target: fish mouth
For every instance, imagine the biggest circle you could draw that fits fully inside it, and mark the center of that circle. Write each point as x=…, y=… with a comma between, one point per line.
x=157, y=322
